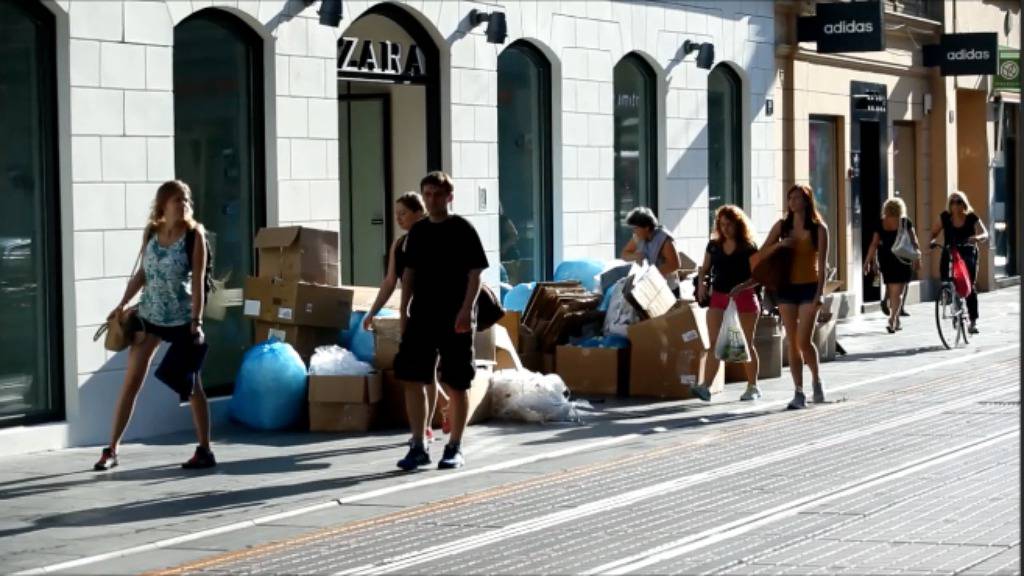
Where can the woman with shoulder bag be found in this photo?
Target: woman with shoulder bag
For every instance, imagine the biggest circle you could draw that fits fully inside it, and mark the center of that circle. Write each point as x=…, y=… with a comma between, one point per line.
x=963, y=231
x=802, y=232
x=170, y=310
x=728, y=258
x=894, y=233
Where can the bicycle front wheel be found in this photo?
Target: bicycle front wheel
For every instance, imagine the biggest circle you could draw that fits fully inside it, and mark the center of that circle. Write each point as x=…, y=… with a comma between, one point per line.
x=945, y=318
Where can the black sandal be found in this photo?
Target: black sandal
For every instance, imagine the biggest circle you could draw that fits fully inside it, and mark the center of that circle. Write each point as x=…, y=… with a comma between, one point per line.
x=108, y=460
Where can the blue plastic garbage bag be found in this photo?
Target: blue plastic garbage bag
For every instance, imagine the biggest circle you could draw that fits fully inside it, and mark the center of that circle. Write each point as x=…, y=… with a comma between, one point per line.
x=518, y=297
x=355, y=321
x=270, y=388
x=362, y=344
x=586, y=272
x=606, y=300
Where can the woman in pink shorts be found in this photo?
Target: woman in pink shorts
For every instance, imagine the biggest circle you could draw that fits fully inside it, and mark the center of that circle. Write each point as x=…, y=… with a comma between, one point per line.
x=727, y=262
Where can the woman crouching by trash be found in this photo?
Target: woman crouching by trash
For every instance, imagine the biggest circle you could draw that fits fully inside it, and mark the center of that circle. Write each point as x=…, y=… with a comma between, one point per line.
x=172, y=277
x=727, y=262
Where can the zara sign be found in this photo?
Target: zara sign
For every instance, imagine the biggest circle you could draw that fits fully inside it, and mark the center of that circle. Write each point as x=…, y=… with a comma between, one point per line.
x=844, y=27
x=384, y=59
x=968, y=54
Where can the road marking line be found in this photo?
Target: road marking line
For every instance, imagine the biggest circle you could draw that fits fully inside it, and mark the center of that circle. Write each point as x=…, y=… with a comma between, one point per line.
x=752, y=522
x=407, y=560
x=568, y=451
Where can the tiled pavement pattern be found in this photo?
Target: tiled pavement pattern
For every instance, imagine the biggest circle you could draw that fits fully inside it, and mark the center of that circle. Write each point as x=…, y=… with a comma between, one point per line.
x=57, y=510
x=946, y=417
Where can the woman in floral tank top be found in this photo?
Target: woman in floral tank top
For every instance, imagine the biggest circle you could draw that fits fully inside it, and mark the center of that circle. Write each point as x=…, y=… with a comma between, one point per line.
x=172, y=282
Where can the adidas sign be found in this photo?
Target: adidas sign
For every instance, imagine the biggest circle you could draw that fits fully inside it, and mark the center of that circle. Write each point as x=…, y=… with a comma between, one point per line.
x=849, y=27
x=968, y=54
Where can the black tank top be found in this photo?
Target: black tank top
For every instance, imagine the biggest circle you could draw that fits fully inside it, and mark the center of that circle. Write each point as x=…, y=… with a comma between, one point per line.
x=400, y=257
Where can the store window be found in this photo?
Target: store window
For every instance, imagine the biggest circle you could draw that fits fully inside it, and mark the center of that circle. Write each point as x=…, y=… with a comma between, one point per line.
x=31, y=374
x=823, y=170
x=725, y=139
x=904, y=152
x=636, y=159
x=219, y=151
x=524, y=163
x=1004, y=201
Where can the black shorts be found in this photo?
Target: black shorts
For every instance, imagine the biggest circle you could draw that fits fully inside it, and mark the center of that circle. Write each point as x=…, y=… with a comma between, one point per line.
x=179, y=333
x=797, y=294
x=426, y=339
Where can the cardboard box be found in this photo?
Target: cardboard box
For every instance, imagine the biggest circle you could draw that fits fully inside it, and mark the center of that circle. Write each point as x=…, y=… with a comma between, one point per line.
x=363, y=298
x=304, y=339
x=593, y=370
x=394, y=414
x=341, y=417
x=367, y=389
x=667, y=354
x=484, y=347
x=298, y=253
x=510, y=322
x=297, y=303
x=649, y=293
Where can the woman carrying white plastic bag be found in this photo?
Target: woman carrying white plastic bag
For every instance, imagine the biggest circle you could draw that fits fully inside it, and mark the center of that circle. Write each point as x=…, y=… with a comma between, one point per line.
x=732, y=303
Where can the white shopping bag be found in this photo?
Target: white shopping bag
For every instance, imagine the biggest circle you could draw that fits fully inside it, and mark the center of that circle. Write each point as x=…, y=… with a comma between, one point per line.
x=731, y=345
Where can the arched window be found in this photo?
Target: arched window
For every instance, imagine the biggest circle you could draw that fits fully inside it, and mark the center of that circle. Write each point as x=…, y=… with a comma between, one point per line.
x=524, y=163
x=636, y=158
x=30, y=279
x=725, y=138
x=219, y=152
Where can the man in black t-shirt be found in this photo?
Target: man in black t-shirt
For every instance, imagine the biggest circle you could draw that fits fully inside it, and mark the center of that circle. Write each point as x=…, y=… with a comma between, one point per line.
x=444, y=259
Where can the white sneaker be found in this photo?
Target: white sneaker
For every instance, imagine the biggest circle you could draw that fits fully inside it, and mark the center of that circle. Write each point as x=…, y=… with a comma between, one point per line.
x=752, y=393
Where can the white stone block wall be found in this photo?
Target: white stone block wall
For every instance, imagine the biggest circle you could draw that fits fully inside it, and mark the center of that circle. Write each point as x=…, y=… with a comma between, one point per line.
x=121, y=138
x=122, y=148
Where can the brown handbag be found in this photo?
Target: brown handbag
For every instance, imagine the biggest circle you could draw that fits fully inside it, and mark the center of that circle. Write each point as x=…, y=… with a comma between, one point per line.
x=118, y=330
x=772, y=271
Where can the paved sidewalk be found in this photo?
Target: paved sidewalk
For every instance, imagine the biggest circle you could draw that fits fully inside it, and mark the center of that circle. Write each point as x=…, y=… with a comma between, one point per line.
x=58, y=510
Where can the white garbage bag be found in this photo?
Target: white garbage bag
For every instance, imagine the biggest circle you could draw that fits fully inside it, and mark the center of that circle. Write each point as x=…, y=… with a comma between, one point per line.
x=334, y=360
x=731, y=345
x=525, y=396
x=620, y=313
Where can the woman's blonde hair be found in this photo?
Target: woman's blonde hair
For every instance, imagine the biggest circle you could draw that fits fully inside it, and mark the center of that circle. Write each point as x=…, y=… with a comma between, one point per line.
x=958, y=196
x=894, y=207
x=164, y=194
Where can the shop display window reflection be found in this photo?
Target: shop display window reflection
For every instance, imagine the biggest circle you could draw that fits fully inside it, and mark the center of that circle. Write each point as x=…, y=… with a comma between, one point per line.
x=524, y=164
x=635, y=142
x=30, y=350
x=218, y=149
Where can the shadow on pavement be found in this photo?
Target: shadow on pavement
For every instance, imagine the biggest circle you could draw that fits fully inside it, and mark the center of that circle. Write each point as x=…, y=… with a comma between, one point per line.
x=255, y=466
x=882, y=355
x=168, y=507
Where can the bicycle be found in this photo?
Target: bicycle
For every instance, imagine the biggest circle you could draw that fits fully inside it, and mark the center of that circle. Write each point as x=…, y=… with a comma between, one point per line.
x=950, y=309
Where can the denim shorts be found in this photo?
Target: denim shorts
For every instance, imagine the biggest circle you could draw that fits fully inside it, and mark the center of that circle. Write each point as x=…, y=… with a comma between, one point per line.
x=797, y=294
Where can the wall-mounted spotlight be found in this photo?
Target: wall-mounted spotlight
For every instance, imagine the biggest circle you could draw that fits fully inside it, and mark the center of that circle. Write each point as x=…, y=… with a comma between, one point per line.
x=330, y=12
x=496, y=31
x=705, y=53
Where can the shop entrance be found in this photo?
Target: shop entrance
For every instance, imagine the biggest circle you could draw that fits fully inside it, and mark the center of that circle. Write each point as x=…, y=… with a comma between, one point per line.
x=1004, y=203
x=363, y=130
x=869, y=165
x=388, y=131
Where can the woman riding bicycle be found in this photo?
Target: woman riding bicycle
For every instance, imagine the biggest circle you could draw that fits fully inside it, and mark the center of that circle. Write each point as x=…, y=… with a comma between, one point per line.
x=961, y=229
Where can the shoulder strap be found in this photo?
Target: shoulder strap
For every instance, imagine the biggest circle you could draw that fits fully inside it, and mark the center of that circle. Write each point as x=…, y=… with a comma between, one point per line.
x=190, y=244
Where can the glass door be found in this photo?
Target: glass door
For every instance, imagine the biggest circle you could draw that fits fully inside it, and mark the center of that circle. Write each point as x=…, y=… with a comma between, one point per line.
x=363, y=128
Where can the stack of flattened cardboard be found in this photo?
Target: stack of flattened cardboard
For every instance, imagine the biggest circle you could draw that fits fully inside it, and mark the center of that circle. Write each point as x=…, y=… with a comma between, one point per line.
x=296, y=297
x=555, y=312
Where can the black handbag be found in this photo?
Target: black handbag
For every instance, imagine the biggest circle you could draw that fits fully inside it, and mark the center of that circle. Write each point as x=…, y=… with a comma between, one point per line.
x=488, y=309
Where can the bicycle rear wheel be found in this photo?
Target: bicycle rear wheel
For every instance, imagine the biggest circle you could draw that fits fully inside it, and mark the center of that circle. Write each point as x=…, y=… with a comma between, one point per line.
x=945, y=318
